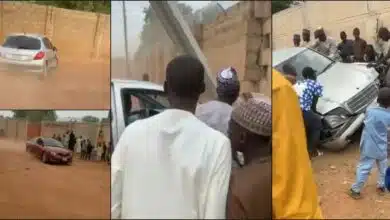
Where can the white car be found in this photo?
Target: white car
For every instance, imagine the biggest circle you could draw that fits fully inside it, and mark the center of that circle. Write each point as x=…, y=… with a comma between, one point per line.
x=132, y=100
x=28, y=53
x=349, y=88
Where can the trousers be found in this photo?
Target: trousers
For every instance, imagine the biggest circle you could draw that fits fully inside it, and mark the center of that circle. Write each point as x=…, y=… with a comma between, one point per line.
x=363, y=170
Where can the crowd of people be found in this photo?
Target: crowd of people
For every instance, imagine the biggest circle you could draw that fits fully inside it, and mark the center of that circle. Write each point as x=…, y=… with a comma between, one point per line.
x=84, y=147
x=356, y=50
x=208, y=161
x=374, y=139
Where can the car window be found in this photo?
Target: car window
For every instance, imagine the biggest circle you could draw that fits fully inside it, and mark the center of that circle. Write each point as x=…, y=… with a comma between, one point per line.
x=135, y=102
x=22, y=42
x=52, y=143
x=47, y=43
x=307, y=58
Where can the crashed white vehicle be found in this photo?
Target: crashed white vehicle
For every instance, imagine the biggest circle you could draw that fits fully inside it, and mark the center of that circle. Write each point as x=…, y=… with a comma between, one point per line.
x=349, y=88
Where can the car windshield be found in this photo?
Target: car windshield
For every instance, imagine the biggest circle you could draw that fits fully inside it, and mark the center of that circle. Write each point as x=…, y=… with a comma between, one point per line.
x=22, y=42
x=52, y=143
x=307, y=58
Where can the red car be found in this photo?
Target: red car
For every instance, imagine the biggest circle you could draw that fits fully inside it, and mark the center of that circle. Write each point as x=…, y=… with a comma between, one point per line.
x=49, y=150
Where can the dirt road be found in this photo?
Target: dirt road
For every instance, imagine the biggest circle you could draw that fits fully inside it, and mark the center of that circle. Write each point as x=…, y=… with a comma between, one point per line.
x=335, y=172
x=31, y=189
x=72, y=86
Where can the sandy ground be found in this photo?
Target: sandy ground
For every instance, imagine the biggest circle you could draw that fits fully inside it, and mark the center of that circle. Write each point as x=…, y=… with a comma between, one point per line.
x=71, y=86
x=31, y=189
x=335, y=172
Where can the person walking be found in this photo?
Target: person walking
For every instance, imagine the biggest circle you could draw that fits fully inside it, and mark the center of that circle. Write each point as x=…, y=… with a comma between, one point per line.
x=373, y=144
x=250, y=133
x=324, y=44
x=72, y=140
x=163, y=157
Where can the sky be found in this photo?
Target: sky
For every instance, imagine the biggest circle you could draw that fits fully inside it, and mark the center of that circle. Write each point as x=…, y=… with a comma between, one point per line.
x=69, y=114
x=135, y=16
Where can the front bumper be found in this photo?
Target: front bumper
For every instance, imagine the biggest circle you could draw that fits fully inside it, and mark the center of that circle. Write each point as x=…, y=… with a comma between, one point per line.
x=342, y=135
x=60, y=159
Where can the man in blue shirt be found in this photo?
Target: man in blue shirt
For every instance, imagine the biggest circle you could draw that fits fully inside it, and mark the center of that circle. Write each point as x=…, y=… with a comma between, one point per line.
x=309, y=90
x=373, y=144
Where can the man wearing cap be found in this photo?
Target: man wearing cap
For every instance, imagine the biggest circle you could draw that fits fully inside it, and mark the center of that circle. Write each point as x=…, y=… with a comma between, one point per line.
x=297, y=40
x=294, y=192
x=306, y=38
x=216, y=113
x=250, y=130
x=324, y=44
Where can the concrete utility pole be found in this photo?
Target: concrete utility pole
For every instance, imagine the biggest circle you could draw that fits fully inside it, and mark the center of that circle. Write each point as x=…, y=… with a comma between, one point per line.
x=125, y=36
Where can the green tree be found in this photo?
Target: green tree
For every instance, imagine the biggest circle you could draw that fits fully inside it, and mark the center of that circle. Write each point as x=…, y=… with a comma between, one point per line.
x=90, y=118
x=278, y=6
x=90, y=6
x=35, y=115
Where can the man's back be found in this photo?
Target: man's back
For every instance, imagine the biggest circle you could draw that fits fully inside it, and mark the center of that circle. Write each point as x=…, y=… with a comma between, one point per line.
x=215, y=114
x=374, y=136
x=170, y=166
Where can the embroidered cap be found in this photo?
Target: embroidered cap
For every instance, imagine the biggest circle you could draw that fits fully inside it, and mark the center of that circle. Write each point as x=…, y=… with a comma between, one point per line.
x=227, y=82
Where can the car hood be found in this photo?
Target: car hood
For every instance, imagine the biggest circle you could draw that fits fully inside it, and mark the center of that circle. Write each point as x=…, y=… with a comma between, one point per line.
x=57, y=149
x=341, y=82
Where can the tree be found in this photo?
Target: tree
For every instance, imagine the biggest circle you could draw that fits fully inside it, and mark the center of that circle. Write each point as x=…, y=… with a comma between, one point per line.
x=278, y=6
x=91, y=6
x=35, y=115
x=90, y=118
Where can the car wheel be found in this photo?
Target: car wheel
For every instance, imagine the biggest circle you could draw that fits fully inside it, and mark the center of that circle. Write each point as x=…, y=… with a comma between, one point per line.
x=44, y=158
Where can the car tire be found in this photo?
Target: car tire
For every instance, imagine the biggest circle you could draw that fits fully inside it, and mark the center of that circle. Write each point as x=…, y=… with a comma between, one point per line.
x=44, y=158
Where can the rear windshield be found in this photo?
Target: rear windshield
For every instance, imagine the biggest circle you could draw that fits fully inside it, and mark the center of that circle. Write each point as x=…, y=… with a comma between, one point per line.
x=22, y=42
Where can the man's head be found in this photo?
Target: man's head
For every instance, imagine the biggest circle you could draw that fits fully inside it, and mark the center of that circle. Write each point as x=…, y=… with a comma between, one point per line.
x=343, y=35
x=356, y=33
x=306, y=35
x=290, y=72
x=184, y=81
x=320, y=34
x=228, y=85
x=383, y=33
x=250, y=126
x=297, y=40
x=145, y=77
x=309, y=73
x=384, y=97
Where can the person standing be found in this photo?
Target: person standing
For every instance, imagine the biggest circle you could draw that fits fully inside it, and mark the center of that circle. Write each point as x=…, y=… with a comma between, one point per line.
x=306, y=38
x=359, y=46
x=373, y=144
x=172, y=165
x=294, y=192
x=72, y=140
x=89, y=149
x=324, y=44
x=104, y=153
x=250, y=133
x=297, y=40
x=78, y=145
x=309, y=92
x=216, y=113
x=345, y=48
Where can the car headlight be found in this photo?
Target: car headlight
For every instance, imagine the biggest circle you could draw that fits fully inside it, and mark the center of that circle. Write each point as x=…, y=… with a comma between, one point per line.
x=53, y=153
x=336, y=117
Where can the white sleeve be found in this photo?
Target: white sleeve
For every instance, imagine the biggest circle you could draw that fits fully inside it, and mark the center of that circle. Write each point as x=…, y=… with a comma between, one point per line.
x=117, y=162
x=217, y=190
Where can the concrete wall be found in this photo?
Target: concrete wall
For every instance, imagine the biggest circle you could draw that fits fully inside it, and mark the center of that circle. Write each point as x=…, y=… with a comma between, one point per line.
x=333, y=16
x=18, y=129
x=76, y=34
x=239, y=38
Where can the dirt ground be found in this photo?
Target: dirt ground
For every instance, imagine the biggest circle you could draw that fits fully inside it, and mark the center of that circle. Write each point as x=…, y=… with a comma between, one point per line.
x=73, y=86
x=31, y=189
x=335, y=172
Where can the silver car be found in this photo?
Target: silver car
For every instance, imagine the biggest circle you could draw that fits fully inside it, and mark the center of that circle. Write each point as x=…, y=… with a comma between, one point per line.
x=28, y=53
x=349, y=88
